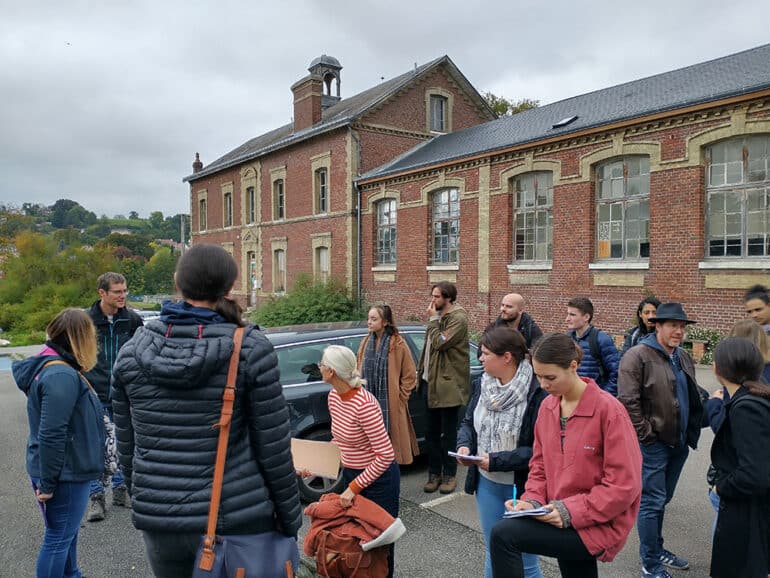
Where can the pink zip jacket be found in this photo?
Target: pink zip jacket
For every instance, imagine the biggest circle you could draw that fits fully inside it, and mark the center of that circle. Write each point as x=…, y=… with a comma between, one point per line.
x=598, y=473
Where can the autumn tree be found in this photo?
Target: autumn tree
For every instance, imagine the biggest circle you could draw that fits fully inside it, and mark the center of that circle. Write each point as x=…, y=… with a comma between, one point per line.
x=501, y=106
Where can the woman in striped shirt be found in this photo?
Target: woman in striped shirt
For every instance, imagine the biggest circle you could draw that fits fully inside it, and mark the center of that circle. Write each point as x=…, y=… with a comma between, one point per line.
x=369, y=465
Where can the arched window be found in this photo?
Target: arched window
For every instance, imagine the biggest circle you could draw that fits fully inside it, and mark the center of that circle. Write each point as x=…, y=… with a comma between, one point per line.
x=446, y=227
x=533, y=221
x=623, y=209
x=738, y=197
x=386, y=232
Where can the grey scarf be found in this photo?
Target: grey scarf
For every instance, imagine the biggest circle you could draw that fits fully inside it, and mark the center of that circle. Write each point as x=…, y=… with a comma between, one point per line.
x=375, y=370
x=500, y=410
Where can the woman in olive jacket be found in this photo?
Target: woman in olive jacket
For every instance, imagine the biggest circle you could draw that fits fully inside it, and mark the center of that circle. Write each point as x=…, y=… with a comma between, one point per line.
x=742, y=470
x=385, y=362
x=167, y=393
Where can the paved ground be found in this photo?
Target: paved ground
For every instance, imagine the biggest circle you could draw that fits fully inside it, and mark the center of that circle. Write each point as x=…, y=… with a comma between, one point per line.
x=443, y=537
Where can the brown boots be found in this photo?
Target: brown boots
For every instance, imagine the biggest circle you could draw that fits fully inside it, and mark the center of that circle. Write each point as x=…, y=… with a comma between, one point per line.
x=432, y=484
x=448, y=485
x=435, y=482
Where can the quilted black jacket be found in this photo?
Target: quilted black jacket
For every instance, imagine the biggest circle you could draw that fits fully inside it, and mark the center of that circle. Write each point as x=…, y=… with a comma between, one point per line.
x=167, y=393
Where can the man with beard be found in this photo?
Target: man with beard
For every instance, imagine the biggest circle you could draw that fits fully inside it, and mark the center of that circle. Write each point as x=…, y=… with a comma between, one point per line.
x=444, y=372
x=513, y=315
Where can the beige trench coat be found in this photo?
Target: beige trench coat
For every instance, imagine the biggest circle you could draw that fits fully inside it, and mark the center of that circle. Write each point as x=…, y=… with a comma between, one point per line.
x=402, y=379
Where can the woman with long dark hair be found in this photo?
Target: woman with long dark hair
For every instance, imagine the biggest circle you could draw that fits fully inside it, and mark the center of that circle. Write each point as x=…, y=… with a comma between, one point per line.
x=741, y=466
x=65, y=449
x=499, y=427
x=644, y=312
x=386, y=364
x=168, y=383
x=585, y=472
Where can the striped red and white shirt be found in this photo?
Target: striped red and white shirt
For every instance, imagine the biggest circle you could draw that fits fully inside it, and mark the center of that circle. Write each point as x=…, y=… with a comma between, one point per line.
x=359, y=432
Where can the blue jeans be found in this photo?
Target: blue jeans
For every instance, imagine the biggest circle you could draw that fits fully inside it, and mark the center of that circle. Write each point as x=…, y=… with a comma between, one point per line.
x=97, y=485
x=714, y=498
x=385, y=492
x=58, y=556
x=661, y=466
x=490, y=501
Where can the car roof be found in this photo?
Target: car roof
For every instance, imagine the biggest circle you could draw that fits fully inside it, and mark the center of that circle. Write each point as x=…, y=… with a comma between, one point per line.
x=312, y=331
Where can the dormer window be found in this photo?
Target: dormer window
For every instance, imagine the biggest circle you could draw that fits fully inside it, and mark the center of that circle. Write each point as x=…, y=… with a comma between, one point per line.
x=438, y=113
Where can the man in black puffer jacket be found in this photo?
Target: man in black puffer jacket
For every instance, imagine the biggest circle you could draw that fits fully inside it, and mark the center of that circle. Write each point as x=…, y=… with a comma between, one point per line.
x=167, y=393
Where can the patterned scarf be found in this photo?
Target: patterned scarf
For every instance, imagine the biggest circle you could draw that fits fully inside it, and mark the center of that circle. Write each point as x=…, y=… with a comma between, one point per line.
x=376, y=371
x=500, y=410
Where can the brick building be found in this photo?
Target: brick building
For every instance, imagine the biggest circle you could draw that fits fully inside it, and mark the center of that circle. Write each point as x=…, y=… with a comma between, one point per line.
x=657, y=186
x=285, y=202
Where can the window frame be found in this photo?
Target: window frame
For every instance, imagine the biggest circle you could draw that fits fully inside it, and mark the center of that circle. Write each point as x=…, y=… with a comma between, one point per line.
x=435, y=99
x=251, y=205
x=391, y=226
x=624, y=205
x=227, y=209
x=519, y=248
x=203, y=214
x=322, y=266
x=321, y=185
x=742, y=189
x=279, y=270
x=451, y=247
x=279, y=199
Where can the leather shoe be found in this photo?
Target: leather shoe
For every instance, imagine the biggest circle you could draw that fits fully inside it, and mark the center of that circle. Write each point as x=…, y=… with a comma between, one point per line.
x=432, y=484
x=448, y=486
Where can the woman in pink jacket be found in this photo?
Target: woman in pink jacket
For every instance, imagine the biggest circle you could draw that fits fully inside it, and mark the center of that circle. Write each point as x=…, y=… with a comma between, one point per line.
x=585, y=472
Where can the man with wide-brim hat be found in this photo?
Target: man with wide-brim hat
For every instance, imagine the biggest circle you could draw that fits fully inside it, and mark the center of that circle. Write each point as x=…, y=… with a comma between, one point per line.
x=657, y=385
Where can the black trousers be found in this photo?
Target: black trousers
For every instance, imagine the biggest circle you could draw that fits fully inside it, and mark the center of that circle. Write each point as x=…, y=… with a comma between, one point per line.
x=441, y=436
x=171, y=555
x=513, y=536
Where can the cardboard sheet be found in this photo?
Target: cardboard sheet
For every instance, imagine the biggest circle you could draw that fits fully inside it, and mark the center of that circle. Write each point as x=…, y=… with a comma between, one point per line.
x=320, y=458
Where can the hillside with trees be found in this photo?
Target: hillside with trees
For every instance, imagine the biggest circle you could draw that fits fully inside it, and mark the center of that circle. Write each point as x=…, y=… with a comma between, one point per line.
x=51, y=256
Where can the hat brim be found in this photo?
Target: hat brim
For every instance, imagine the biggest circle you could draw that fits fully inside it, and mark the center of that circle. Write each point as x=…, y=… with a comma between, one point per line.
x=661, y=319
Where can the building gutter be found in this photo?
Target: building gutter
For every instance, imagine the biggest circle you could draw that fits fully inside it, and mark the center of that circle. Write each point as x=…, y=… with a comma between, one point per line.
x=359, y=250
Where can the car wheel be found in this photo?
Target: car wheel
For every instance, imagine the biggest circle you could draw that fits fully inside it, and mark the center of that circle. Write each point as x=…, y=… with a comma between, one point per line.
x=312, y=488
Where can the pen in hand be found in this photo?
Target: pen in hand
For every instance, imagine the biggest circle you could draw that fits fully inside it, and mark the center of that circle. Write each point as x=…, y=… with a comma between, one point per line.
x=514, y=497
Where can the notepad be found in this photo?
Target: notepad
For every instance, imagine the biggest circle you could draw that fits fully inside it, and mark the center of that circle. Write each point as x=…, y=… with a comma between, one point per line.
x=526, y=513
x=469, y=458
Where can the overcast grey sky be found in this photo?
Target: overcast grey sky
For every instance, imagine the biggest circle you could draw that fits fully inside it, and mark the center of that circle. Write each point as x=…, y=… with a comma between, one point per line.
x=107, y=102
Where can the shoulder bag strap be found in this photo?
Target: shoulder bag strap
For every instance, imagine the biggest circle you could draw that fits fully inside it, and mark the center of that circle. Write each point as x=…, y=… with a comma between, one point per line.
x=61, y=362
x=228, y=396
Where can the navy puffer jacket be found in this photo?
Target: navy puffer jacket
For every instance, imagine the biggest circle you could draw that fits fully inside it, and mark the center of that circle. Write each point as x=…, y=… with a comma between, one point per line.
x=589, y=367
x=167, y=393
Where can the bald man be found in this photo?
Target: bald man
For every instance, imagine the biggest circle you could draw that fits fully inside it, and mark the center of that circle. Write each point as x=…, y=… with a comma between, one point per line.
x=512, y=314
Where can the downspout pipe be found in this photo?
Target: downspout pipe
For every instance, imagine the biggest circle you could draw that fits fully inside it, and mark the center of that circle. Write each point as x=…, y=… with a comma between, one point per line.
x=359, y=225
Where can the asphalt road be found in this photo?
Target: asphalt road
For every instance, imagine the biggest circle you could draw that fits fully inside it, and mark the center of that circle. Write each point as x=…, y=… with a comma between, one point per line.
x=443, y=536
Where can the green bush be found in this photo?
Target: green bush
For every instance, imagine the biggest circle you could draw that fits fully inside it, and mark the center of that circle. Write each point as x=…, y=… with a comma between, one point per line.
x=710, y=336
x=308, y=302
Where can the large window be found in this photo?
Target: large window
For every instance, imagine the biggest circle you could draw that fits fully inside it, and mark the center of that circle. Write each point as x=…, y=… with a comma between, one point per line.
x=251, y=205
x=386, y=232
x=279, y=200
x=202, y=215
x=227, y=208
x=623, y=209
x=321, y=190
x=738, y=198
x=322, y=264
x=438, y=113
x=533, y=210
x=446, y=227
x=279, y=271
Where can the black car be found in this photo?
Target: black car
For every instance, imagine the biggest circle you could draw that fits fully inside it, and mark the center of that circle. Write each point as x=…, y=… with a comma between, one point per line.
x=299, y=349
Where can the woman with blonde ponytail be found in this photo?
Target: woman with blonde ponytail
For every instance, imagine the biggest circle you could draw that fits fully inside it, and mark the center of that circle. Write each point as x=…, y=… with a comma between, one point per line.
x=369, y=465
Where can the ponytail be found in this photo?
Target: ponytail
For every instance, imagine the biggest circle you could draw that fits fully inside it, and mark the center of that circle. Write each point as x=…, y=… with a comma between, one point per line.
x=757, y=388
x=230, y=310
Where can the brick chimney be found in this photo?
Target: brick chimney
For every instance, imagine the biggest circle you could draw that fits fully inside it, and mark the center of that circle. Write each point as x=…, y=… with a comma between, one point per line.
x=197, y=164
x=307, y=101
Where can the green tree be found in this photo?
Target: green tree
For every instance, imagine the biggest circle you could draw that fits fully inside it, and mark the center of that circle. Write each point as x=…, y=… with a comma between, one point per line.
x=133, y=215
x=132, y=269
x=138, y=244
x=501, y=106
x=59, y=212
x=159, y=271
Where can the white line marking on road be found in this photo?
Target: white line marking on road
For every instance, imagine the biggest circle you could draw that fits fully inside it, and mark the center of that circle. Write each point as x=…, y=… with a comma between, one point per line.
x=441, y=500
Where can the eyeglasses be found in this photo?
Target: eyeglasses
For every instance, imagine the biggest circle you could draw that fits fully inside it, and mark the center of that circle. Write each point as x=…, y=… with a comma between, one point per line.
x=118, y=291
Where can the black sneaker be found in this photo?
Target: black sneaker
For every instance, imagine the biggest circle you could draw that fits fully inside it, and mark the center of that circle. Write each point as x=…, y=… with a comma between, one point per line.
x=671, y=560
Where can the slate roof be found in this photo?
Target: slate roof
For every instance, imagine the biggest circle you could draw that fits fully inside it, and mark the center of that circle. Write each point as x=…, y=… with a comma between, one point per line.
x=741, y=73
x=336, y=116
